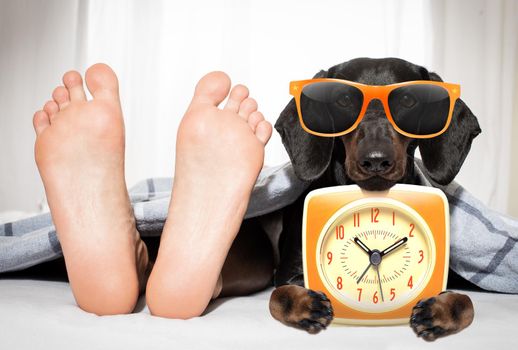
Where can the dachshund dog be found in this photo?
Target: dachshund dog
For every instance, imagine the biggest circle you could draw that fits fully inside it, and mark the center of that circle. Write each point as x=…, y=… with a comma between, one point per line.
x=375, y=157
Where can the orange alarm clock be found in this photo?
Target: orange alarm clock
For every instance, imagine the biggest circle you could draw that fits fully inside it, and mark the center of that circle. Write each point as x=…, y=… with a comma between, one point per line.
x=376, y=254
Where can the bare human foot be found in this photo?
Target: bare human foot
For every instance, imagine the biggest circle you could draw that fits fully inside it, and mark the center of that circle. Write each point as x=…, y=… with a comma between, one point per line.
x=219, y=154
x=80, y=156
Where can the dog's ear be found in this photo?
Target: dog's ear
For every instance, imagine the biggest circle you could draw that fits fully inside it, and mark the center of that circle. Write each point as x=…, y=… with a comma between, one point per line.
x=309, y=154
x=443, y=155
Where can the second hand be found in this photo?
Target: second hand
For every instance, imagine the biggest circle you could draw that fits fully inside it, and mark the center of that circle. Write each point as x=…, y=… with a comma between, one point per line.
x=363, y=274
x=379, y=279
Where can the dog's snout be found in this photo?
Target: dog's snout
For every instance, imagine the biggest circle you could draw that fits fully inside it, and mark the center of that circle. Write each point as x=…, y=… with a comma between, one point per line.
x=376, y=162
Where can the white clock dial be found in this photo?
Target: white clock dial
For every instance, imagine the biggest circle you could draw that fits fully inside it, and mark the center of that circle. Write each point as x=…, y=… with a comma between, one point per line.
x=375, y=254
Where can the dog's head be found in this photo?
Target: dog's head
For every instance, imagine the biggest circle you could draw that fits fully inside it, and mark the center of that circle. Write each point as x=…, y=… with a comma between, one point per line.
x=374, y=155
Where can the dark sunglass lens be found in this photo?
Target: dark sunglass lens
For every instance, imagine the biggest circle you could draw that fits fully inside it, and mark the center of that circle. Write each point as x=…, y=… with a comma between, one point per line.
x=420, y=109
x=330, y=107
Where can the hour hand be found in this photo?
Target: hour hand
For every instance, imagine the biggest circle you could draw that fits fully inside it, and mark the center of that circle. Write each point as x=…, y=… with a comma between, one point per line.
x=362, y=245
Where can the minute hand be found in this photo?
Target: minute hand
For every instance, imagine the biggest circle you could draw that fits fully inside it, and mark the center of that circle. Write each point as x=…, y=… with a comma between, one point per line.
x=394, y=246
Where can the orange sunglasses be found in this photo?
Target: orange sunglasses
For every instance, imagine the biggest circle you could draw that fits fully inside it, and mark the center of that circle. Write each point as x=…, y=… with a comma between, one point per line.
x=334, y=107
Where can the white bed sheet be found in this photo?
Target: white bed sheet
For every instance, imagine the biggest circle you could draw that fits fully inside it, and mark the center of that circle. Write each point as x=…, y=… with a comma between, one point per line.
x=38, y=314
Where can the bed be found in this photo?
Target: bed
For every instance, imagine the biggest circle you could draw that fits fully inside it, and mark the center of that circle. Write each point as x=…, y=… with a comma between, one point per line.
x=38, y=311
x=37, y=308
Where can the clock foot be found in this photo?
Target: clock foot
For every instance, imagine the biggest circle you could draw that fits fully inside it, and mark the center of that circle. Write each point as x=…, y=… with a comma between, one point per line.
x=442, y=315
x=301, y=308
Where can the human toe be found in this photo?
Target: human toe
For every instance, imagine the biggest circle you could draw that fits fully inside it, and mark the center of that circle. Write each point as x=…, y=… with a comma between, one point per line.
x=212, y=89
x=51, y=108
x=102, y=82
x=263, y=131
x=248, y=106
x=61, y=96
x=40, y=121
x=74, y=83
x=255, y=118
x=238, y=94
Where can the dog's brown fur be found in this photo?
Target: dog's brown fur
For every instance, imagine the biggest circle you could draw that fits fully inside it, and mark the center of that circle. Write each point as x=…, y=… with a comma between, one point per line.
x=302, y=308
x=445, y=314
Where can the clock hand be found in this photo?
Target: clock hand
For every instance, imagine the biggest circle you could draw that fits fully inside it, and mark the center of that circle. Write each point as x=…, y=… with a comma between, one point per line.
x=362, y=245
x=394, y=246
x=379, y=279
x=363, y=274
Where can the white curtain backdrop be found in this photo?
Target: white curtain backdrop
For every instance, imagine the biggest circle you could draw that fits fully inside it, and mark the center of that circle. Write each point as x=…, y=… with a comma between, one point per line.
x=160, y=49
x=475, y=44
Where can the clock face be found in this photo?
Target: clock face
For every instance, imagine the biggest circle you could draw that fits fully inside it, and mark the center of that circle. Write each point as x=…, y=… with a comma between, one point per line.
x=375, y=254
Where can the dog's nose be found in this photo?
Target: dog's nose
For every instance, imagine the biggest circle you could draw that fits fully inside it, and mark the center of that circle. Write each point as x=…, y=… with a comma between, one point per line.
x=376, y=162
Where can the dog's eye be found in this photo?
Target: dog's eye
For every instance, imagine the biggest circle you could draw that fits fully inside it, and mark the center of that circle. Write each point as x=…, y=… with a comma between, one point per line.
x=344, y=101
x=407, y=101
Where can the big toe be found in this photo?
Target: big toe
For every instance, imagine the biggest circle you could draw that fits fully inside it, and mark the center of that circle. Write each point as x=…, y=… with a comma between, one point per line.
x=102, y=82
x=212, y=89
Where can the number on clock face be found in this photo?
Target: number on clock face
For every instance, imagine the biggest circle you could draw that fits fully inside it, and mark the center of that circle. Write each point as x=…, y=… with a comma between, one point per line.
x=376, y=256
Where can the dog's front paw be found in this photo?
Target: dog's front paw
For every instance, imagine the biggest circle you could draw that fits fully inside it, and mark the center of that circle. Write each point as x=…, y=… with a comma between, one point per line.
x=301, y=308
x=445, y=314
